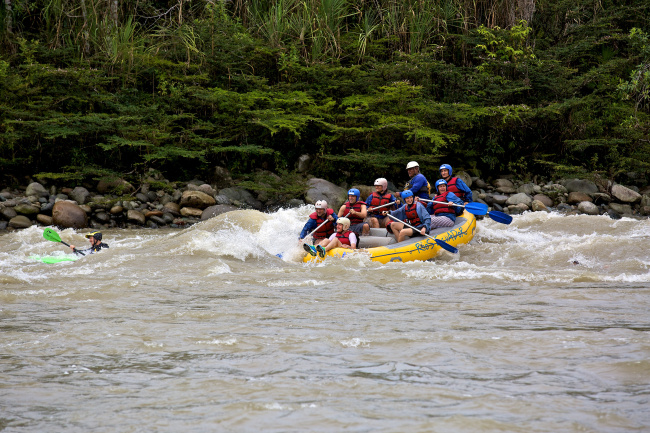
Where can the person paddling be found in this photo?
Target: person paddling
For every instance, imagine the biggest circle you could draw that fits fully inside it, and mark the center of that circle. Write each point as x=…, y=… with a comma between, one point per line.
x=96, y=244
x=455, y=184
x=414, y=213
x=343, y=238
x=443, y=213
x=380, y=198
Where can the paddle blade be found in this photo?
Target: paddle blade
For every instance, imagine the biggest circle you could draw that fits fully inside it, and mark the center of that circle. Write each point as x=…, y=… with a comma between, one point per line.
x=51, y=235
x=444, y=245
x=476, y=208
x=500, y=217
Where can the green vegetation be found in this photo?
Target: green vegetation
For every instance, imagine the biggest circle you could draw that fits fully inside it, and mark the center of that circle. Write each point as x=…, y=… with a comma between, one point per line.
x=95, y=88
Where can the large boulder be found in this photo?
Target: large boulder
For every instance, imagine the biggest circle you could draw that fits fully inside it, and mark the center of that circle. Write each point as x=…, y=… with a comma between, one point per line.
x=215, y=210
x=588, y=208
x=621, y=208
x=241, y=197
x=580, y=185
x=465, y=177
x=221, y=177
x=135, y=216
x=27, y=209
x=196, y=199
x=320, y=189
x=527, y=188
x=36, y=189
x=68, y=214
x=520, y=198
x=576, y=197
x=625, y=195
x=80, y=195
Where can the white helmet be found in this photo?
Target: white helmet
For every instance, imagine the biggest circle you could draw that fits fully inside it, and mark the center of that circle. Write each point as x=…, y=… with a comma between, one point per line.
x=383, y=182
x=321, y=204
x=412, y=164
x=344, y=222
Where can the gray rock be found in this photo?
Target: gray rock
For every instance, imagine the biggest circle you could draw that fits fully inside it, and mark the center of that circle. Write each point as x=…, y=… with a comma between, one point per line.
x=215, y=210
x=142, y=197
x=295, y=202
x=205, y=188
x=563, y=207
x=221, y=177
x=135, y=216
x=20, y=222
x=621, y=208
x=527, y=188
x=102, y=217
x=158, y=220
x=242, y=196
x=168, y=218
x=506, y=190
x=588, y=207
x=480, y=183
x=27, y=209
x=80, y=195
x=304, y=163
x=320, y=189
x=580, y=185
x=576, y=197
x=645, y=200
x=222, y=199
x=3, y=225
x=464, y=176
x=68, y=214
x=555, y=187
x=520, y=198
x=8, y=212
x=36, y=189
x=644, y=210
x=498, y=207
x=625, y=195
x=191, y=212
x=197, y=199
x=546, y=200
x=613, y=214
x=116, y=210
x=503, y=183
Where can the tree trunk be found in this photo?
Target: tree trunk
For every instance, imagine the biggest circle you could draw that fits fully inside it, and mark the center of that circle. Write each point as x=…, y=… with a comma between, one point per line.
x=84, y=31
x=114, y=9
x=8, y=21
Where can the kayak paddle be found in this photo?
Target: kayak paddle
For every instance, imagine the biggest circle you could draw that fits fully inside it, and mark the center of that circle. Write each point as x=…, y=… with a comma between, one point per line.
x=473, y=207
x=442, y=244
x=53, y=236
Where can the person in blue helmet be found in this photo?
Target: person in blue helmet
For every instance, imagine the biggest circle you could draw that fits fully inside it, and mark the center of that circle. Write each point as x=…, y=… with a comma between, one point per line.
x=413, y=213
x=455, y=184
x=418, y=184
x=356, y=210
x=444, y=214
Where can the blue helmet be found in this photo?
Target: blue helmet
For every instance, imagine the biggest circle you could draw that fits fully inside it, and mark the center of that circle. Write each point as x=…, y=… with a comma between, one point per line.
x=406, y=194
x=355, y=192
x=448, y=167
x=441, y=181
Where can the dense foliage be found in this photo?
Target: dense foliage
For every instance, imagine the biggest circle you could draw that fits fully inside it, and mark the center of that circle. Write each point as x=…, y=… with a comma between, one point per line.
x=90, y=88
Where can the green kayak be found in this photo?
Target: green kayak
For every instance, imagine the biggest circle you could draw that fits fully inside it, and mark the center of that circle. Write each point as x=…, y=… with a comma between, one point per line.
x=54, y=259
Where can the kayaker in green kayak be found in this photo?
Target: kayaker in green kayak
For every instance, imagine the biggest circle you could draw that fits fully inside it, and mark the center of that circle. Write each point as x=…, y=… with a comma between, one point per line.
x=96, y=244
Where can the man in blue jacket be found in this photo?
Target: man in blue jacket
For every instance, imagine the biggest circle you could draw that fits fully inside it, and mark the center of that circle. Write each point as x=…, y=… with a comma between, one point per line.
x=418, y=184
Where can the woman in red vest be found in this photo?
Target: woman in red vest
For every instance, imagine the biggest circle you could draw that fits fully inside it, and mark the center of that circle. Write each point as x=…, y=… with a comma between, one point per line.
x=443, y=214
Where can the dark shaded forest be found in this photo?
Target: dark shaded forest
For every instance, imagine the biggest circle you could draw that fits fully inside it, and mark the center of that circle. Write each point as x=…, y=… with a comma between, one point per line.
x=97, y=88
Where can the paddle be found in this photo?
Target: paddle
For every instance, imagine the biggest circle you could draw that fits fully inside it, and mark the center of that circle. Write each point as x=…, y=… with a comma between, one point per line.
x=500, y=217
x=474, y=207
x=53, y=236
x=442, y=244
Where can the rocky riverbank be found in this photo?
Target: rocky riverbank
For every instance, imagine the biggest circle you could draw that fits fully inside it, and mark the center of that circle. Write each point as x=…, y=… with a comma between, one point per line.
x=160, y=203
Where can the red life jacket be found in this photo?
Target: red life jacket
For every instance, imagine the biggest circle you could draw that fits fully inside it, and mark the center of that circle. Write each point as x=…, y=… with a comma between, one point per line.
x=442, y=208
x=379, y=200
x=451, y=187
x=327, y=230
x=354, y=219
x=412, y=214
x=344, y=237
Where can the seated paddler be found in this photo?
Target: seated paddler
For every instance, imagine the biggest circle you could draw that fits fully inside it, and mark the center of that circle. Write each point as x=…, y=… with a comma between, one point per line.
x=356, y=211
x=444, y=214
x=381, y=199
x=413, y=213
x=343, y=238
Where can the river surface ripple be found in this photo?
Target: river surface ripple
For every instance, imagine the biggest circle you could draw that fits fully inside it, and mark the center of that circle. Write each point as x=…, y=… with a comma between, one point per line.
x=206, y=329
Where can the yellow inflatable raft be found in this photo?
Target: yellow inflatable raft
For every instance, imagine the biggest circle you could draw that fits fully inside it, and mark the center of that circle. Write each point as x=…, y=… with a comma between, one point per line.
x=382, y=247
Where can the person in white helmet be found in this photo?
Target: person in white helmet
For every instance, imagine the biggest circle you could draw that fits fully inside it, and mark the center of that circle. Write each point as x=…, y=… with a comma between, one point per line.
x=342, y=238
x=418, y=184
x=322, y=214
x=380, y=197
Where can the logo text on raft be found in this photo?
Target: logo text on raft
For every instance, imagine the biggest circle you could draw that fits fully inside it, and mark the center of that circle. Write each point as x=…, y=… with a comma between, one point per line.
x=451, y=235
